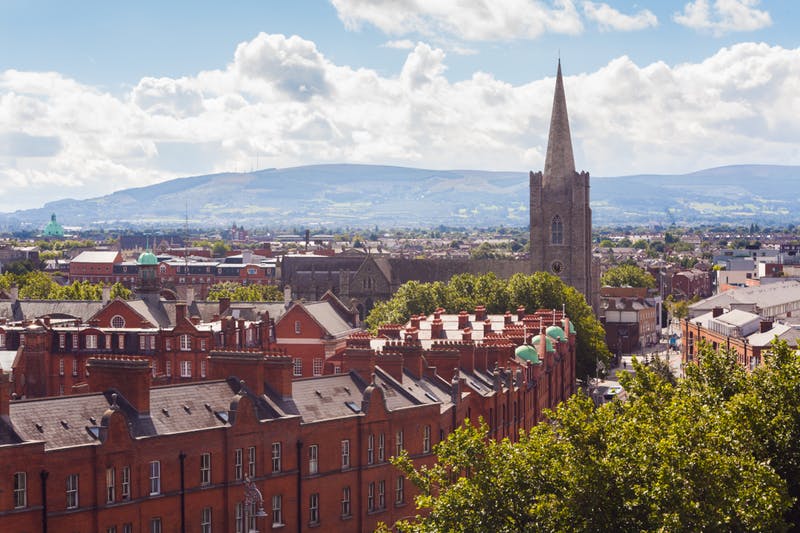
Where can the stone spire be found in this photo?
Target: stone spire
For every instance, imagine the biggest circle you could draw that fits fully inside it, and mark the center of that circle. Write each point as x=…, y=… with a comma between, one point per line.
x=559, y=162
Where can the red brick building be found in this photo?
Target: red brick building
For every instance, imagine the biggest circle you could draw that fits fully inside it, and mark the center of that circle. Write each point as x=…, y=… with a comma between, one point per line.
x=749, y=335
x=94, y=266
x=128, y=457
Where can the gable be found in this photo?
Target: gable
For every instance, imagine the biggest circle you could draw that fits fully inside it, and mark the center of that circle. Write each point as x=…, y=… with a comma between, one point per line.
x=285, y=327
x=120, y=308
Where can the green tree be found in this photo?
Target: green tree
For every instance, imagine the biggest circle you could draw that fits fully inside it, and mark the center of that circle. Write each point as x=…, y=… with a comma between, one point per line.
x=627, y=276
x=540, y=290
x=672, y=457
x=245, y=293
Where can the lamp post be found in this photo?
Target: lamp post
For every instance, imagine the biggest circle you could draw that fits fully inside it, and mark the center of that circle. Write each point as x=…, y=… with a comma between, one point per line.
x=252, y=496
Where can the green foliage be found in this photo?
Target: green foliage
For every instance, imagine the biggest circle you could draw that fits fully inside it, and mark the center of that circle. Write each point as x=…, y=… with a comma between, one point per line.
x=39, y=285
x=716, y=451
x=627, y=276
x=465, y=291
x=487, y=251
x=245, y=293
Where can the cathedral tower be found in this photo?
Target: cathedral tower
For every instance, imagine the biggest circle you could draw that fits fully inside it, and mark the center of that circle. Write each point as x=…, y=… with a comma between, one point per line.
x=561, y=220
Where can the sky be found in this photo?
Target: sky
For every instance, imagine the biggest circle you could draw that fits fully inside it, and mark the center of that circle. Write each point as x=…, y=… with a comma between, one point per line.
x=98, y=96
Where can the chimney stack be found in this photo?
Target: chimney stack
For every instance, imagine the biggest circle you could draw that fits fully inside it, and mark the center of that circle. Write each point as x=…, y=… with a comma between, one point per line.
x=463, y=319
x=765, y=326
x=5, y=395
x=224, y=305
x=520, y=313
x=437, y=328
x=130, y=376
x=480, y=313
x=180, y=312
x=106, y=294
x=717, y=311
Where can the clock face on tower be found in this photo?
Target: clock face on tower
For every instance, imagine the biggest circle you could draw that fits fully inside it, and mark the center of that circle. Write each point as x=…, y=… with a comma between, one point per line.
x=557, y=267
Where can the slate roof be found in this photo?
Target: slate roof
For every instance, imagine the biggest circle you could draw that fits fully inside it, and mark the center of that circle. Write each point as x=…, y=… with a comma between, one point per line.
x=63, y=420
x=782, y=331
x=323, y=398
x=31, y=309
x=168, y=406
x=763, y=296
x=328, y=318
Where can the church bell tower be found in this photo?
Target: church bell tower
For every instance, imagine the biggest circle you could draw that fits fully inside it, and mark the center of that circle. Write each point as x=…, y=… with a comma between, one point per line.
x=561, y=219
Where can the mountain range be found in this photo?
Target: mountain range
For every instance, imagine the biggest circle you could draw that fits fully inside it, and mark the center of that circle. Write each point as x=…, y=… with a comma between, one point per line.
x=388, y=196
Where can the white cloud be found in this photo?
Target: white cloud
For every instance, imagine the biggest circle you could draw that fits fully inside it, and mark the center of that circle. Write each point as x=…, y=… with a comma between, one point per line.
x=724, y=16
x=476, y=20
x=282, y=101
x=402, y=44
x=609, y=18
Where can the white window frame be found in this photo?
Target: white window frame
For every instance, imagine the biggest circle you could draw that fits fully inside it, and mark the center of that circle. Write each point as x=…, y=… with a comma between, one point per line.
x=277, y=510
x=276, y=457
x=111, y=484
x=186, y=368
x=155, y=525
x=371, y=497
x=202, y=368
x=313, y=508
x=168, y=367
x=346, y=509
x=125, y=483
x=205, y=520
x=90, y=342
x=73, y=500
x=186, y=343
x=60, y=366
x=318, y=364
x=121, y=341
x=20, y=490
x=117, y=322
x=297, y=366
x=371, y=449
x=62, y=341
x=74, y=366
x=205, y=469
x=313, y=459
x=381, y=448
x=75, y=341
x=382, y=494
x=426, y=439
x=251, y=461
x=238, y=471
x=297, y=327
x=400, y=486
x=155, y=478
x=345, y=454
x=398, y=442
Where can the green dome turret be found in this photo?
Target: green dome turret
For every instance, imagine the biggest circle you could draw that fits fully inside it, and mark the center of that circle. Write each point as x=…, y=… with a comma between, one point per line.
x=528, y=353
x=557, y=333
x=53, y=228
x=548, y=342
x=147, y=258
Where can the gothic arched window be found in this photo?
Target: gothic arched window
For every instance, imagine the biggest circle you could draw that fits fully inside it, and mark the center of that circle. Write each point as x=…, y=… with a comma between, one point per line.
x=557, y=231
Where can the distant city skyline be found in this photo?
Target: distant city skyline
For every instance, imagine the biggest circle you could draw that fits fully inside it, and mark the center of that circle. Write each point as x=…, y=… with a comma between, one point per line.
x=97, y=97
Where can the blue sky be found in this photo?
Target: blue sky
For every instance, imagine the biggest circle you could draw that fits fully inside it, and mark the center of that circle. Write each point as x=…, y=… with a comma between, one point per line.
x=99, y=96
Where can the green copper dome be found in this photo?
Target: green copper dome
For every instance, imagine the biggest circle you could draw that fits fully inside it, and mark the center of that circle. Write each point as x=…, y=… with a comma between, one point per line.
x=53, y=228
x=147, y=258
x=557, y=333
x=571, y=327
x=548, y=342
x=528, y=353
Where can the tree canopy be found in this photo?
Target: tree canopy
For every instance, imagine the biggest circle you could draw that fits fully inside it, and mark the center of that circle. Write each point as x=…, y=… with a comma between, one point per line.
x=540, y=290
x=718, y=450
x=245, y=293
x=627, y=276
x=37, y=285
